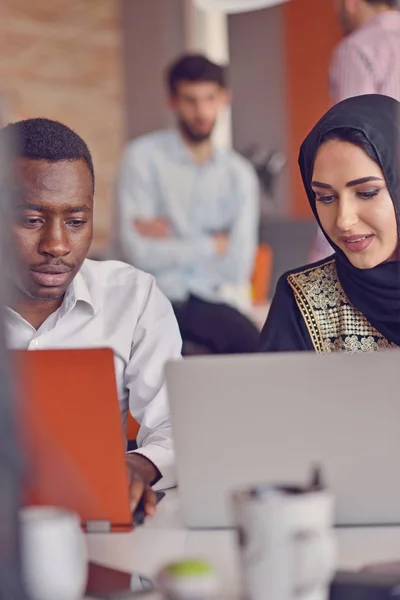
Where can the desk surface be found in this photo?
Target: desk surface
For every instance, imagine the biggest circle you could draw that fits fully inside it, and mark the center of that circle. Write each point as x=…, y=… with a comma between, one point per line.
x=164, y=538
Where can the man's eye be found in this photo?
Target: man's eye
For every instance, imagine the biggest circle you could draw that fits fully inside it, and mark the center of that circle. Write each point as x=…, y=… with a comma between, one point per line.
x=76, y=223
x=31, y=221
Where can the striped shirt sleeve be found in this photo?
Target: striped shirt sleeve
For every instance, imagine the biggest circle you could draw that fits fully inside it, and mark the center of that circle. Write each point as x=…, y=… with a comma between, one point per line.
x=351, y=73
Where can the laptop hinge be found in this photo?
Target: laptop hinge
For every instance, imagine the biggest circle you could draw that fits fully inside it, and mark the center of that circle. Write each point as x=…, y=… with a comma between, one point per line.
x=98, y=526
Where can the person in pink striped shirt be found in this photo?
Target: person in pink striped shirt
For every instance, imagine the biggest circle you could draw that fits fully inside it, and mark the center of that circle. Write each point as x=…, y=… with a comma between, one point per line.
x=367, y=61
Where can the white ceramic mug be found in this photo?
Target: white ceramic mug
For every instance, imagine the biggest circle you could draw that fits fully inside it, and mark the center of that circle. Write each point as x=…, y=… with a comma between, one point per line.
x=287, y=545
x=54, y=554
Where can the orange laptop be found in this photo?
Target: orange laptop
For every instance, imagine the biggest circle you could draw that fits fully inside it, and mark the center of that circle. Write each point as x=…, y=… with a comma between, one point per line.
x=72, y=435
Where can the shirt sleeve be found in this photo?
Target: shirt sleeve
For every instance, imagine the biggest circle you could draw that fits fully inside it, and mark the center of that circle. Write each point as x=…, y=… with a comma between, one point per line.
x=156, y=341
x=351, y=73
x=238, y=264
x=284, y=329
x=137, y=197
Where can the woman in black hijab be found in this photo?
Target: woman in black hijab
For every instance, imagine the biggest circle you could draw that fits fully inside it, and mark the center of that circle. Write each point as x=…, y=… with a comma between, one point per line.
x=350, y=302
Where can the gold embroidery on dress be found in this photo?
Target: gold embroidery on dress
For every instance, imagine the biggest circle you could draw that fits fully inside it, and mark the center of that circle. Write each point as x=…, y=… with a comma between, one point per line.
x=334, y=324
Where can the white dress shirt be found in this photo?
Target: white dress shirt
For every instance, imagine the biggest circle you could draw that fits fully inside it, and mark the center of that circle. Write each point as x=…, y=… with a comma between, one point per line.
x=159, y=178
x=111, y=304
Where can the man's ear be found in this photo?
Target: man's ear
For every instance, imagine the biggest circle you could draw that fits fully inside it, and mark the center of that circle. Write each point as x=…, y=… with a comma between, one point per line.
x=228, y=96
x=352, y=6
x=170, y=101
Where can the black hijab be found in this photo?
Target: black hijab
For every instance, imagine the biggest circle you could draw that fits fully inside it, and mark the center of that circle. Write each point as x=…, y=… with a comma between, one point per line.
x=375, y=292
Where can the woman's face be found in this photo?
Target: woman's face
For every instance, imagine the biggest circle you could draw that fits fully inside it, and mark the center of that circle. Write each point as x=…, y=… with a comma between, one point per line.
x=354, y=204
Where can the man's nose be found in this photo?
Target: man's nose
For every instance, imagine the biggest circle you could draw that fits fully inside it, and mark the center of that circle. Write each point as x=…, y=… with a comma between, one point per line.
x=54, y=241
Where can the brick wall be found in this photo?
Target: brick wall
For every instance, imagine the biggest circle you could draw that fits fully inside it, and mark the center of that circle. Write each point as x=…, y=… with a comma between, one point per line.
x=61, y=59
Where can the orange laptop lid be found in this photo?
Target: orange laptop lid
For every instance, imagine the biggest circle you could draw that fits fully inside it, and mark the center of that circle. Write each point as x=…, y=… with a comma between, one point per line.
x=71, y=430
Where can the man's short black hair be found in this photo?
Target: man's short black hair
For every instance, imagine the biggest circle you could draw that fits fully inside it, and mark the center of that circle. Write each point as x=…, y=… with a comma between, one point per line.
x=194, y=68
x=389, y=3
x=49, y=141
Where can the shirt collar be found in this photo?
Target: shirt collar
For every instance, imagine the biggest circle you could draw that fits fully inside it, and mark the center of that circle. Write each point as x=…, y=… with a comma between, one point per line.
x=77, y=292
x=387, y=18
x=182, y=152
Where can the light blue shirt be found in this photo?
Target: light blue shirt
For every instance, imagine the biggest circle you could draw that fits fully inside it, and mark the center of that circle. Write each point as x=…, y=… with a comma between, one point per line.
x=159, y=178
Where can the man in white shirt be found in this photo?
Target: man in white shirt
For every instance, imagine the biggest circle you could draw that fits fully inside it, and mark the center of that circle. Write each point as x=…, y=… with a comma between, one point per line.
x=60, y=299
x=189, y=214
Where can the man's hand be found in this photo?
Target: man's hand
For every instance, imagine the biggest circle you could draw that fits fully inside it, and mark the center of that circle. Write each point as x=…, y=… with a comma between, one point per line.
x=221, y=243
x=154, y=228
x=141, y=474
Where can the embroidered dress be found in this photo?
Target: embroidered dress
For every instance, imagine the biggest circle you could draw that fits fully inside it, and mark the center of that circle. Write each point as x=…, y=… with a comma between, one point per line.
x=334, y=324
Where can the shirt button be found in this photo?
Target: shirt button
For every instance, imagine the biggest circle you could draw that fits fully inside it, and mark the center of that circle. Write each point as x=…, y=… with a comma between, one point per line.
x=35, y=344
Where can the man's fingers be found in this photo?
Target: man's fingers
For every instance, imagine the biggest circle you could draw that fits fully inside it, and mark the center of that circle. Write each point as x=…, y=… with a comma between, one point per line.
x=140, y=491
x=141, y=226
x=140, y=473
x=150, y=501
x=164, y=227
x=160, y=230
x=136, y=489
x=156, y=228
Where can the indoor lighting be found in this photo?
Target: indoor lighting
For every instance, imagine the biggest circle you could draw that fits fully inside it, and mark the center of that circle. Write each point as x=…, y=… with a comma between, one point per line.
x=235, y=6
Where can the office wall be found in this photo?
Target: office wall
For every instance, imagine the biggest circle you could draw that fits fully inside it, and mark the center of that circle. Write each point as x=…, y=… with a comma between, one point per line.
x=279, y=62
x=153, y=34
x=71, y=59
x=310, y=34
x=257, y=74
x=62, y=60
x=279, y=69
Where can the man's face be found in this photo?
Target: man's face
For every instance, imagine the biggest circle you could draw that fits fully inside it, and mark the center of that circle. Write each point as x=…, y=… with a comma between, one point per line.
x=52, y=226
x=197, y=106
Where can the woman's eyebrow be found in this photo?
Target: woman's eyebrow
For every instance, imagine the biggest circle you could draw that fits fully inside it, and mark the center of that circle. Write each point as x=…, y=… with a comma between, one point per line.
x=352, y=183
x=362, y=180
x=318, y=184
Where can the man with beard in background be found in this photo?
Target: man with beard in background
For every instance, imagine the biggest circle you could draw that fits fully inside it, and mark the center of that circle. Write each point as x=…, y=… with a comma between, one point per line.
x=188, y=213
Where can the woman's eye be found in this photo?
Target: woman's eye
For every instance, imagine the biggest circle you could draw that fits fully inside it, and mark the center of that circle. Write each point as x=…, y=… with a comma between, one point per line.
x=368, y=195
x=325, y=199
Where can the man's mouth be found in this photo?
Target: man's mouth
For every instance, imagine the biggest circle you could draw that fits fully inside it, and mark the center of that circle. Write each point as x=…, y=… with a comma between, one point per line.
x=50, y=276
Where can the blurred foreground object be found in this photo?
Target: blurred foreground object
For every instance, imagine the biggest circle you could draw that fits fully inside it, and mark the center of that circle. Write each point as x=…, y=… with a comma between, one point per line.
x=10, y=468
x=54, y=553
x=286, y=541
x=236, y=6
x=192, y=579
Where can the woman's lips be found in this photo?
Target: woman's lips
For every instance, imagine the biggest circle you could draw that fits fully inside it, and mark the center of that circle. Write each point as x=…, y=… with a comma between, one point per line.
x=358, y=243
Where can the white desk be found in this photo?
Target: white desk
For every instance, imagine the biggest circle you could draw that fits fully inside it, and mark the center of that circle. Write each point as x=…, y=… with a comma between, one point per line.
x=164, y=538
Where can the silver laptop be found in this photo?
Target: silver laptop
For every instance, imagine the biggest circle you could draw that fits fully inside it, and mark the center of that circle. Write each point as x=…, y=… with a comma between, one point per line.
x=243, y=420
